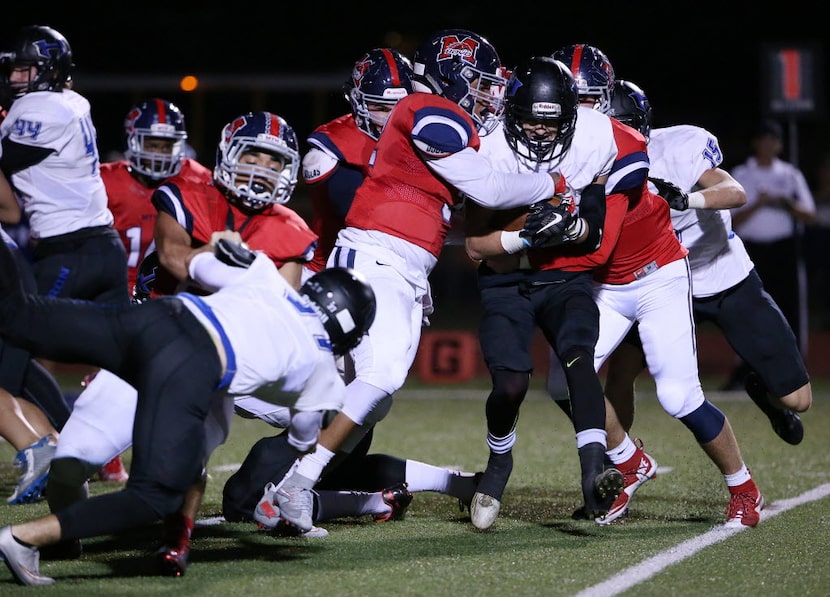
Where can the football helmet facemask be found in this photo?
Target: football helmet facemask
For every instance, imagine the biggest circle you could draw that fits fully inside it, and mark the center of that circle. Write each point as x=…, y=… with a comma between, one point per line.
x=381, y=77
x=592, y=70
x=540, y=90
x=155, y=118
x=345, y=303
x=465, y=68
x=250, y=187
x=43, y=48
x=630, y=106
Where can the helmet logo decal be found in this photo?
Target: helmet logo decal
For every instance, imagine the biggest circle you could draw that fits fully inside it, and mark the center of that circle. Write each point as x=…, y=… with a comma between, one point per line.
x=360, y=68
x=49, y=49
x=462, y=49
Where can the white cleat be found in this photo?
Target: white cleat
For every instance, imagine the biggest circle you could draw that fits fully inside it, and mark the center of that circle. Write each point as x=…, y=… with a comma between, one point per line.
x=484, y=510
x=22, y=561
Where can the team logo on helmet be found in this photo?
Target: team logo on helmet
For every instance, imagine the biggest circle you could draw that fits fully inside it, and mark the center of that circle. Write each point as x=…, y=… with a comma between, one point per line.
x=50, y=49
x=464, y=49
x=360, y=69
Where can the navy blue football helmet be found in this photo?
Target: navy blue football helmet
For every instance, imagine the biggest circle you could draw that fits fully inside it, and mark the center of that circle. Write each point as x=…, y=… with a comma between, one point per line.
x=593, y=73
x=155, y=119
x=43, y=48
x=346, y=304
x=253, y=188
x=630, y=106
x=465, y=68
x=380, y=78
x=541, y=90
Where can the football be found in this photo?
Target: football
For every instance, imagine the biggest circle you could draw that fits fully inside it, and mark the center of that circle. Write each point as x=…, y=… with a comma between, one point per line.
x=514, y=219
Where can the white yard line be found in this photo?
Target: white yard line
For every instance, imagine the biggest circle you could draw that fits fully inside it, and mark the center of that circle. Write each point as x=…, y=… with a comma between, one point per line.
x=656, y=564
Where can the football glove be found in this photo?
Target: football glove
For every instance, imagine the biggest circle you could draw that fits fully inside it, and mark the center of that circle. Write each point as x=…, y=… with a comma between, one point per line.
x=546, y=225
x=234, y=254
x=676, y=197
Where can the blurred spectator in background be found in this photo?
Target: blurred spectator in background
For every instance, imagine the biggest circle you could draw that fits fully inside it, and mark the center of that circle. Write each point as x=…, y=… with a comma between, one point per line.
x=771, y=223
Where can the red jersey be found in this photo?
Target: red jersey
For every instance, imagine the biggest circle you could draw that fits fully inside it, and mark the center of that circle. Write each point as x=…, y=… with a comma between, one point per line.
x=646, y=242
x=626, y=182
x=646, y=237
x=132, y=210
x=401, y=196
x=202, y=209
x=342, y=139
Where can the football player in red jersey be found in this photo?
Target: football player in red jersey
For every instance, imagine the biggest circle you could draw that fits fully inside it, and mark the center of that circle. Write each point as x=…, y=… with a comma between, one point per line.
x=338, y=158
x=156, y=150
x=334, y=167
x=256, y=171
x=647, y=281
x=426, y=155
x=156, y=139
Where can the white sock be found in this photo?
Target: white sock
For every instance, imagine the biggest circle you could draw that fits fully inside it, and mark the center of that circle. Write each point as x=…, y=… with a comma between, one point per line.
x=623, y=452
x=421, y=476
x=312, y=465
x=338, y=504
x=591, y=436
x=738, y=478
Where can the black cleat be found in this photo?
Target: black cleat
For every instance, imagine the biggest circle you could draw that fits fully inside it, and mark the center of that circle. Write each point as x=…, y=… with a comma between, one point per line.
x=172, y=561
x=785, y=422
x=398, y=498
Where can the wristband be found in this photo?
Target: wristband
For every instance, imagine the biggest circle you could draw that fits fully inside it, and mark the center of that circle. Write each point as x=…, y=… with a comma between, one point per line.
x=512, y=243
x=697, y=200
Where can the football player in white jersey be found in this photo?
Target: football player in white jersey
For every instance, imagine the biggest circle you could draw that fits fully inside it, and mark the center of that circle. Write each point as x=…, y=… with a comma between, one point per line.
x=726, y=288
x=51, y=157
x=254, y=335
x=545, y=130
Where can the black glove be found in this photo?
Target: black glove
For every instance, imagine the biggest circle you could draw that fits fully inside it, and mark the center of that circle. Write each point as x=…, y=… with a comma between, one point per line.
x=546, y=224
x=235, y=254
x=674, y=196
x=145, y=277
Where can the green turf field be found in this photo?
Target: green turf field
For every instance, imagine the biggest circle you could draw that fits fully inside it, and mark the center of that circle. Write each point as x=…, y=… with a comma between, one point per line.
x=534, y=548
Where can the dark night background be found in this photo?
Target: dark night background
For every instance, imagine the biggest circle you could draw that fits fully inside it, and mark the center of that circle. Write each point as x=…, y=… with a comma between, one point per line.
x=699, y=63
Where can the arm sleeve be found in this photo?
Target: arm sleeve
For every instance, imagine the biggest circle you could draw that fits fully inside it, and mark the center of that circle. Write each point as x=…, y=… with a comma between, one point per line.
x=16, y=156
x=342, y=186
x=471, y=173
x=592, y=210
x=210, y=273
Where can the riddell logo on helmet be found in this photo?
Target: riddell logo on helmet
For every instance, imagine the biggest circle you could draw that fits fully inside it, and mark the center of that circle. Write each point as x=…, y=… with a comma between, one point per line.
x=452, y=47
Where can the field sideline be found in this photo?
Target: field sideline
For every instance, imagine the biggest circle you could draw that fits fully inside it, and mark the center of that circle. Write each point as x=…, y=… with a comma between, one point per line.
x=671, y=542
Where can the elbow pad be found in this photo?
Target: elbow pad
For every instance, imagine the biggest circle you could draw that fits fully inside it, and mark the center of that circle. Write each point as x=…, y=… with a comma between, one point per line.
x=592, y=210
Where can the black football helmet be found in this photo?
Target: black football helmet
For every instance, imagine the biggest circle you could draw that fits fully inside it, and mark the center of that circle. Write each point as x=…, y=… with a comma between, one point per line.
x=465, y=68
x=155, y=118
x=540, y=90
x=345, y=303
x=380, y=77
x=592, y=70
x=253, y=188
x=45, y=49
x=630, y=106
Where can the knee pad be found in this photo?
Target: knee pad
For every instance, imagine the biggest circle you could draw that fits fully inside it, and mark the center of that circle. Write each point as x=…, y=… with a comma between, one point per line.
x=706, y=422
x=71, y=471
x=67, y=482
